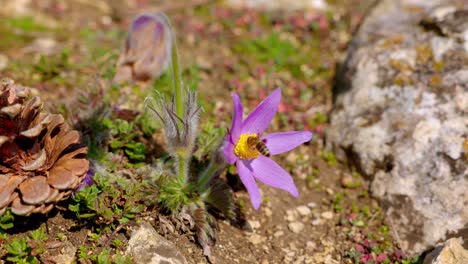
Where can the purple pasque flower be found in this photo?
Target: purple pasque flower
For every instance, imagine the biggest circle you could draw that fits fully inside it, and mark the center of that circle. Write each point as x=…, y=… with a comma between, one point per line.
x=239, y=147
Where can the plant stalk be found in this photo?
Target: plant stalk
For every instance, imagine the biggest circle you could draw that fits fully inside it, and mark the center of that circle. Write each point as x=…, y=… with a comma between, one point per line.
x=177, y=82
x=179, y=97
x=207, y=175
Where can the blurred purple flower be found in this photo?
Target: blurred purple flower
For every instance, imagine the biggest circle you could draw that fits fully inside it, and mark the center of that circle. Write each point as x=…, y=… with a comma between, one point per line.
x=243, y=146
x=88, y=180
x=147, y=51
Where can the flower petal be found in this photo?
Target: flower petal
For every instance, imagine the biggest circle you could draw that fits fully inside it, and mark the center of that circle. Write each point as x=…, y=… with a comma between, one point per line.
x=236, y=118
x=261, y=117
x=141, y=21
x=248, y=180
x=229, y=152
x=285, y=141
x=270, y=173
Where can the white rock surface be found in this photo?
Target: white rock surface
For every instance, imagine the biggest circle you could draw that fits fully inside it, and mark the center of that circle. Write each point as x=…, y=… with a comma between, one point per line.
x=451, y=252
x=400, y=115
x=67, y=254
x=146, y=246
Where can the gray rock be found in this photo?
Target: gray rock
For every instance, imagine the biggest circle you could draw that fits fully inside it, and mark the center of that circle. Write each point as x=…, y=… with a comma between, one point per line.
x=67, y=254
x=451, y=252
x=146, y=246
x=296, y=227
x=400, y=115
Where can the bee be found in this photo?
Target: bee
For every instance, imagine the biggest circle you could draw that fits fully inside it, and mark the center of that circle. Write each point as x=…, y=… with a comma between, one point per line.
x=255, y=143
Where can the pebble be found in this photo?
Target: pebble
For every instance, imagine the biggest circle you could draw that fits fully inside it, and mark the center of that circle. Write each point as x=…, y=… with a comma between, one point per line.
x=346, y=180
x=311, y=244
x=256, y=239
x=303, y=210
x=296, y=227
x=291, y=215
x=327, y=215
x=278, y=234
x=312, y=205
x=291, y=157
x=254, y=224
x=316, y=221
x=268, y=212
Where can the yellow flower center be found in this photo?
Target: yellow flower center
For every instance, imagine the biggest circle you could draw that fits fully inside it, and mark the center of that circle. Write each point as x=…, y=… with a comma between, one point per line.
x=244, y=149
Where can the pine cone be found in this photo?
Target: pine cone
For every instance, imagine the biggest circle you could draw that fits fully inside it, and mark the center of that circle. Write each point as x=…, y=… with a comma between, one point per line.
x=41, y=161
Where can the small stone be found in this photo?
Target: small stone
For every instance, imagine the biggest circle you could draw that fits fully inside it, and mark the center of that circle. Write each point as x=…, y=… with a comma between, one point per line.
x=291, y=157
x=296, y=227
x=316, y=222
x=327, y=215
x=254, y=224
x=291, y=215
x=256, y=239
x=278, y=233
x=303, y=210
x=268, y=212
x=346, y=180
x=312, y=205
x=311, y=244
x=67, y=254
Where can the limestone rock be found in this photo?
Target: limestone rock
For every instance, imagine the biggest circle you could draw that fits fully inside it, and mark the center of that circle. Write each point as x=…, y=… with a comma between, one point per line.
x=400, y=108
x=146, y=246
x=451, y=252
x=67, y=254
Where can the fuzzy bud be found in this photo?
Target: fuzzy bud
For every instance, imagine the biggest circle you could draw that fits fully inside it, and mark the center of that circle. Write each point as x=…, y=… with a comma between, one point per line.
x=147, y=50
x=180, y=132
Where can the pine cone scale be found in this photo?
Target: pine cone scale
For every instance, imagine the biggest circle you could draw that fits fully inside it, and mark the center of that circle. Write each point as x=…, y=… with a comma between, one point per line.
x=36, y=163
x=35, y=190
x=7, y=191
x=18, y=208
x=12, y=110
x=70, y=138
x=61, y=178
x=76, y=166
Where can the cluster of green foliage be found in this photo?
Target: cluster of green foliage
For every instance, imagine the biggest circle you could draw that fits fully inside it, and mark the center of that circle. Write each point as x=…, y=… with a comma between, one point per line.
x=103, y=257
x=6, y=221
x=124, y=139
x=270, y=47
x=27, y=249
x=110, y=201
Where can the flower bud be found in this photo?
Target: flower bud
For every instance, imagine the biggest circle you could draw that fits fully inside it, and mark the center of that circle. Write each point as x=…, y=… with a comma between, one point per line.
x=147, y=50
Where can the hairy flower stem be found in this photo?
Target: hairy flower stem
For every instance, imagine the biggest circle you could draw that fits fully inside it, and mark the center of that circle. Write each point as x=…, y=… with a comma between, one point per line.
x=183, y=160
x=207, y=175
x=176, y=78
